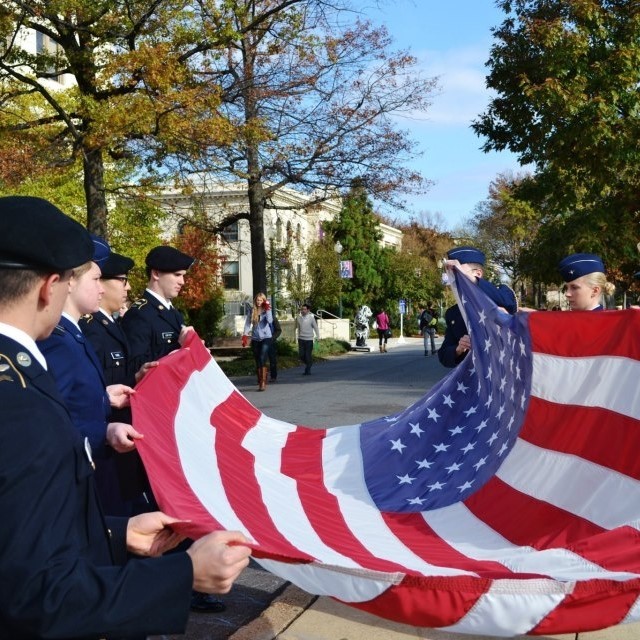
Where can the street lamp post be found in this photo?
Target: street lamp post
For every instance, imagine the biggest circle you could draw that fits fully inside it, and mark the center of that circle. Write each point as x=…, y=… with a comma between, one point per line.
x=337, y=247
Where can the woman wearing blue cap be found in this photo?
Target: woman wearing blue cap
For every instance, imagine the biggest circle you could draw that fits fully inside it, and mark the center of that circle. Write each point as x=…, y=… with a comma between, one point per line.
x=585, y=281
x=80, y=380
x=457, y=342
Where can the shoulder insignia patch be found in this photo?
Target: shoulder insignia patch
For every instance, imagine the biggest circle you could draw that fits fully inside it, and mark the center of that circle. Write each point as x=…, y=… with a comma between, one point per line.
x=9, y=372
x=139, y=303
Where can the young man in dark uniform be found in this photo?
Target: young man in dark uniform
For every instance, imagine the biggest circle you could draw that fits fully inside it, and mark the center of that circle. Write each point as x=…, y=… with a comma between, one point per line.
x=154, y=327
x=456, y=343
x=64, y=571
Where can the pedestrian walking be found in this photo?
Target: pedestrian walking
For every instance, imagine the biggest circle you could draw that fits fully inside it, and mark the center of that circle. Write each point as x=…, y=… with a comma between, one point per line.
x=257, y=328
x=276, y=332
x=384, y=330
x=428, y=323
x=306, y=331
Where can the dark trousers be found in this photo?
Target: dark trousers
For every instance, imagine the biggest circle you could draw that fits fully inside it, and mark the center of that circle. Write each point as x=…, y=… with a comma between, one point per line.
x=273, y=360
x=305, y=352
x=260, y=350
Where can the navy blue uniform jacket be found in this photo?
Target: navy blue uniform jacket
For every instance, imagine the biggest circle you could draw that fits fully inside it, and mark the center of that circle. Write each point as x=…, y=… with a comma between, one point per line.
x=78, y=374
x=110, y=343
x=152, y=329
x=59, y=576
x=502, y=295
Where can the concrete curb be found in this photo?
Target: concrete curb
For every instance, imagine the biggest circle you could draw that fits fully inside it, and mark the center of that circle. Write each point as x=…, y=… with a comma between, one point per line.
x=279, y=615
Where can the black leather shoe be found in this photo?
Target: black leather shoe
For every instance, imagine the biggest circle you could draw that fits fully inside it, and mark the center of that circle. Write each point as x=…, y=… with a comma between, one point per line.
x=206, y=603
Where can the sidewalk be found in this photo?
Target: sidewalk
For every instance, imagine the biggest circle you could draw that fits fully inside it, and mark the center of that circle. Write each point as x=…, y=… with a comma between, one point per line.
x=296, y=615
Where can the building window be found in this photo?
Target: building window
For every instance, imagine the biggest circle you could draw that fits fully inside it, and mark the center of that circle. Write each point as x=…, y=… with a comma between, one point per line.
x=230, y=232
x=279, y=231
x=298, y=234
x=231, y=275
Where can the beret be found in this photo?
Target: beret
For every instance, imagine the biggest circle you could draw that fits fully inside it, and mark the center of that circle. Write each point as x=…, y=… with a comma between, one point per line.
x=101, y=250
x=164, y=258
x=116, y=265
x=465, y=255
x=35, y=234
x=579, y=264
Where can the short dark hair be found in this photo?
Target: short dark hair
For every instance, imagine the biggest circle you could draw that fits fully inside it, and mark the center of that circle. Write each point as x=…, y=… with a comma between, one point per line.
x=16, y=283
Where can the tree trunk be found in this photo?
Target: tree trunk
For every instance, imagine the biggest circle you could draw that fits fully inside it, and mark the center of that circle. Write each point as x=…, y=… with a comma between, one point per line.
x=256, y=227
x=93, y=166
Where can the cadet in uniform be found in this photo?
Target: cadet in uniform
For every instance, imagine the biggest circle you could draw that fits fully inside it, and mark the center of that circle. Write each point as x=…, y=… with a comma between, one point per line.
x=64, y=571
x=110, y=343
x=585, y=281
x=154, y=327
x=456, y=343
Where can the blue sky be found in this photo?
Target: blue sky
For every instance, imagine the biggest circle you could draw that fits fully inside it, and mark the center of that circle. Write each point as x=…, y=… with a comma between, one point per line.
x=450, y=40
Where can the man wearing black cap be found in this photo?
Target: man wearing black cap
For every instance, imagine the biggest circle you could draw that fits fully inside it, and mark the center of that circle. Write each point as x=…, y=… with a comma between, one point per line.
x=62, y=565
x=153, y=325
x=457, y=343
x=110, y=343
x=155, y=328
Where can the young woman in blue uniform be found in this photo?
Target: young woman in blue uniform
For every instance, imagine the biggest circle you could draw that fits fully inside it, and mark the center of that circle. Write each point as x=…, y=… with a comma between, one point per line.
x=457, y=343
x=80, y=380
x=586, y=282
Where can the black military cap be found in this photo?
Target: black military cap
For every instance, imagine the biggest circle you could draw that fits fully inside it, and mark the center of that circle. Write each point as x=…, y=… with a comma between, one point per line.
x=116, y=265
x=35, y=234
x=164, y=258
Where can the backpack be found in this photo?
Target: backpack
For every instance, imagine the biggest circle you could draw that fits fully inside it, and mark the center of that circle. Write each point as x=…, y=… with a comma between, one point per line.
x=426, y=319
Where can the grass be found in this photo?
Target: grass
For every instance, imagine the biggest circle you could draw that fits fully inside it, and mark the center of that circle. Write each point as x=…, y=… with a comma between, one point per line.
x=244, y=364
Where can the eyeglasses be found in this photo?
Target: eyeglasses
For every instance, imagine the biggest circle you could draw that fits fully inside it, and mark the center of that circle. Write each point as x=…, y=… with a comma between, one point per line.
x=123, y=279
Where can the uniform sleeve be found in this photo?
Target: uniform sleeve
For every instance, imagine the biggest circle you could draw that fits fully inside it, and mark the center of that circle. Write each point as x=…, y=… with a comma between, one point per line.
x=57, y=578
x=501, y=294
x=139, y=333
x=447, y=351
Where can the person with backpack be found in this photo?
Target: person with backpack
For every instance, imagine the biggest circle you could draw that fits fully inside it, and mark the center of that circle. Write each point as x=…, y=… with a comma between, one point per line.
x=428, y=325
x=276, y=332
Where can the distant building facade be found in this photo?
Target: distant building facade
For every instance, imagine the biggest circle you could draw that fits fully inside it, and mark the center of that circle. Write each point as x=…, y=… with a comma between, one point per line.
x=291, y=224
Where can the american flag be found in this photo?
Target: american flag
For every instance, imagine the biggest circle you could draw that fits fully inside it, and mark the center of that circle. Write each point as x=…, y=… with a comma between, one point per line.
x=506, y=501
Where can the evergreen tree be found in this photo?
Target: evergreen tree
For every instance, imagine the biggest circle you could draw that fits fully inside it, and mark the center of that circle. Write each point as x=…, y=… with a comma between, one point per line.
x=358, y=230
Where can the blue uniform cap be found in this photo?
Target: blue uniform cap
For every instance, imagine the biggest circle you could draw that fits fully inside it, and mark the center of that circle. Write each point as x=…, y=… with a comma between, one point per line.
x=578, y=265
x=101, y=250
x=466, y=255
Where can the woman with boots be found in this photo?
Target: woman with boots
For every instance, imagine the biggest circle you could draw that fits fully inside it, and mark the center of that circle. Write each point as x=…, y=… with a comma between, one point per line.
x=257, y=327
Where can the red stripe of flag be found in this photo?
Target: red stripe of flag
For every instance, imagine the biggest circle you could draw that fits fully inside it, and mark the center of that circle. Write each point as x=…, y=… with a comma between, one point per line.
x=237, y=469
